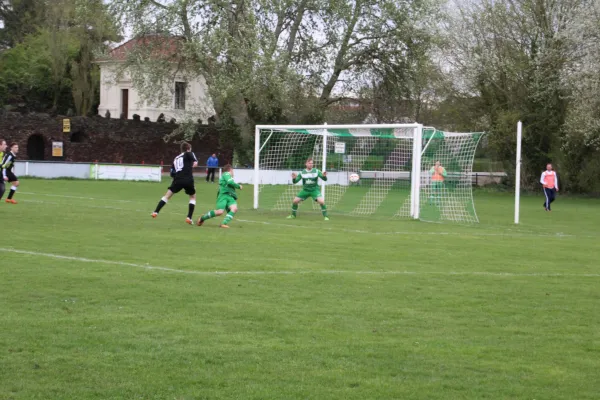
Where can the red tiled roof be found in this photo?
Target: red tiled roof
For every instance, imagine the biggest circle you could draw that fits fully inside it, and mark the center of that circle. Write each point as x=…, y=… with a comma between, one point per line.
x=159, y=46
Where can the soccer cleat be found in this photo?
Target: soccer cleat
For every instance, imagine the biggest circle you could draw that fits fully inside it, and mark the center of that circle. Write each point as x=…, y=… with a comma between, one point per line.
x=291, y=217
x=154, y=214
x=189, y=221
x=326, y=218
x=200, y=222
x=224, y=226
x=11, y=201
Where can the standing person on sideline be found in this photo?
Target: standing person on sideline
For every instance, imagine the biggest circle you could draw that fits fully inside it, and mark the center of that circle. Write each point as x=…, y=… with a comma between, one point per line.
x=549, y=180
x=438, y=176
x=212, y=164
x=2, y=178
x=183, y=178
x=7, y=165
x=226, y=199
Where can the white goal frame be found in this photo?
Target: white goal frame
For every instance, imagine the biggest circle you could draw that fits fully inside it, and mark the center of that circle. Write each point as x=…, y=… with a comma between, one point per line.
x=417, y=152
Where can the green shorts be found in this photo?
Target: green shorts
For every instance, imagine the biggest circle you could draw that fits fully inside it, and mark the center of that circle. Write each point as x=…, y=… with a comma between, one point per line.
x=225, y=202
x=437, y=185
x=305, y=194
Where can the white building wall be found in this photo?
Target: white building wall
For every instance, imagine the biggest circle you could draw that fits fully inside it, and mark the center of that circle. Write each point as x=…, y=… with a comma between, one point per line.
x=198, y=103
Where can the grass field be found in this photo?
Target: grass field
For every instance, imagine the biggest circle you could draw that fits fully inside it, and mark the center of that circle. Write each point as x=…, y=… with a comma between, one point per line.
x=99, y=301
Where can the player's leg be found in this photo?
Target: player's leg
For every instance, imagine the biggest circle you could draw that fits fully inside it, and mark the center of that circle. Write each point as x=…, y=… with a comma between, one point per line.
x=165, y=199
x=14, y=184
x=297, y=200
x=2, y=187
x=219, y=210
x=437, y=188
x=212, y=175
x=547, y=201
x=551, y=197
x=232, y=207
x=191, y=207
x=321, y=200
x=209, y=215
x=190, y=190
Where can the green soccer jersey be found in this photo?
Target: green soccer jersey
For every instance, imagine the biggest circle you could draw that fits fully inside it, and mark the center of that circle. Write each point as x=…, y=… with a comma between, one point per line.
x=310, y=179
x=227, y=185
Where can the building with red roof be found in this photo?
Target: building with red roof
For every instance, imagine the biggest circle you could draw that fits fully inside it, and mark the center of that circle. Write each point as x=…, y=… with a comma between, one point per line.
x=175, y=93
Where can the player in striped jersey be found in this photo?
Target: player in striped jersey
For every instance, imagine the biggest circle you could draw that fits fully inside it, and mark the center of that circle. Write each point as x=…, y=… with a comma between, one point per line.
x=549, y=180
x=2, y=179
x=183, y=179
x=7, y=165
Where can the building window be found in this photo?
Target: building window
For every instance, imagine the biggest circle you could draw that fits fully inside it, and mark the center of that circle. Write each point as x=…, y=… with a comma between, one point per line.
x=180, y=95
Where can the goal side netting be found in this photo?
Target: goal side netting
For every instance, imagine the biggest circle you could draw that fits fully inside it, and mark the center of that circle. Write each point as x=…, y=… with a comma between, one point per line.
x=393, y=163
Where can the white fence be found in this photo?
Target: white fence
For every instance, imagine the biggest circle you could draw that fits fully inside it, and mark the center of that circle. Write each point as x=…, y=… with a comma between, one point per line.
x=153, y=173
x=121, y=172
x=279, y=177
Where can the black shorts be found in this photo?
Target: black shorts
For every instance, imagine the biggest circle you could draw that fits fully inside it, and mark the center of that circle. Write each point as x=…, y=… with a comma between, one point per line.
x=186, y=184
x=11, y=177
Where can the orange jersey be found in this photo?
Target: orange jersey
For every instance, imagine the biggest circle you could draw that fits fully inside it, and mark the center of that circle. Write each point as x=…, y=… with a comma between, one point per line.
x=549, y=180
x=438, y=174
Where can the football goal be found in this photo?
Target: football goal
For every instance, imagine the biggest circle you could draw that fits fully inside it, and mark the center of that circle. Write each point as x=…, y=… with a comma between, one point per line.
x=404, y=170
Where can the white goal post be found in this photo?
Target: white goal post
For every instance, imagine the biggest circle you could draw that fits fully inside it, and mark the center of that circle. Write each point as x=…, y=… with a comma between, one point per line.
x=396, y=165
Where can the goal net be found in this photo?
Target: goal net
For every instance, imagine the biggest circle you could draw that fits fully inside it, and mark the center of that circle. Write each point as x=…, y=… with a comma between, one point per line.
x=396, y=166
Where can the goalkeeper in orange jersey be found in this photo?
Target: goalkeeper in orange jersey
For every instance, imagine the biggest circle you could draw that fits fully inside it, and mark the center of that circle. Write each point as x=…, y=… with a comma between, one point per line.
x=438, y=176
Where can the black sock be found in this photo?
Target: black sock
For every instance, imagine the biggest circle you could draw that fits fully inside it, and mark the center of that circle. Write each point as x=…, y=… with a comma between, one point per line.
x=160, y=205
x=2, y=190
x=191, y=207
x=11, y=193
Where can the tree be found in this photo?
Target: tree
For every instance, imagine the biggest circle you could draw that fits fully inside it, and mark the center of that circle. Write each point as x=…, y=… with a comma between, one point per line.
x=511, y=56
x=20, y=18
x=93, y=26
x=259, y=57
x=51, y=69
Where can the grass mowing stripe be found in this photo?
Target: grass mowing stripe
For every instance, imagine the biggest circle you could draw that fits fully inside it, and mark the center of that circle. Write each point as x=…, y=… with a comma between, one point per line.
x=511, y=234
x=294, y=272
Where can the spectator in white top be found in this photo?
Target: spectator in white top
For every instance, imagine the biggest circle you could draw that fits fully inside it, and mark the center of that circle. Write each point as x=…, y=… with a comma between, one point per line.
x=549, y=180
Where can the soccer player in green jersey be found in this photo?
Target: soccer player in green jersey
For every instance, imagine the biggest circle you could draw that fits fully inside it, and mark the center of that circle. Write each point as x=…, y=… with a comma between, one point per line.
x=310, y=188
x=226, y=199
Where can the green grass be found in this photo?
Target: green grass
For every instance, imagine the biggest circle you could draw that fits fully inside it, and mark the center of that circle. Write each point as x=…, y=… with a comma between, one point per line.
x=355, y=308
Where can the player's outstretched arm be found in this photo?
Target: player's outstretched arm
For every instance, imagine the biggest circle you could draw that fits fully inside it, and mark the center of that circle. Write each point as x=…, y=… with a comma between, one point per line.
x=233, y=184
x=296, y=177
x=323, y=175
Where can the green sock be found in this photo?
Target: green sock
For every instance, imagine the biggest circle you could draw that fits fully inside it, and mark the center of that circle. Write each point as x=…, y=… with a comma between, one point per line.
x=228, y=217
x=208, y=215
x=294, y=209
x=324, y=210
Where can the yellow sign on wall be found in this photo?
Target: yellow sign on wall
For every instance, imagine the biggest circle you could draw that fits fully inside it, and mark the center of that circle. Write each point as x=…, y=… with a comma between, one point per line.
x=66, y=125
x=57, y=149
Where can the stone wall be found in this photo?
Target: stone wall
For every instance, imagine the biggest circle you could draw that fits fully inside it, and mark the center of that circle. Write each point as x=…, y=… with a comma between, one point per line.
x=103, y=140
